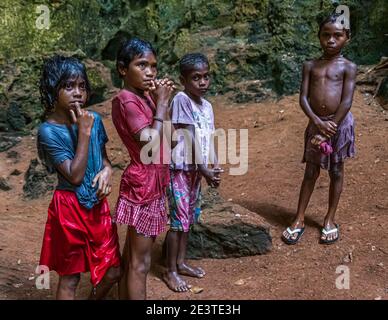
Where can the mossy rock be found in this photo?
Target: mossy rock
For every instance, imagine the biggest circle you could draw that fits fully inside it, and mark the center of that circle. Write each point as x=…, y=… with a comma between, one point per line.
x=244, y=39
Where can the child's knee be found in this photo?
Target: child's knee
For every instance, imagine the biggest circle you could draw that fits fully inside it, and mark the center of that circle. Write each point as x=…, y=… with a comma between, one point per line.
x=113, y=274
x=312, y=173
x=70, y=282
x=142, y=266
x=336, y=173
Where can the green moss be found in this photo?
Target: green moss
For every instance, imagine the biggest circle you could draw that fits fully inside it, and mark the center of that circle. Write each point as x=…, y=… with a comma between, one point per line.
x=244, y=39
x=185, y=43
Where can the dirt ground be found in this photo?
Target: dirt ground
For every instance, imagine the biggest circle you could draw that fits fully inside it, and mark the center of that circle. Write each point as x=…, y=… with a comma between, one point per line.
x=270, y=189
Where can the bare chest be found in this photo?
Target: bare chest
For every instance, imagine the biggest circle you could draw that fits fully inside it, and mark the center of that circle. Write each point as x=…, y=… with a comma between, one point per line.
x=332, y=73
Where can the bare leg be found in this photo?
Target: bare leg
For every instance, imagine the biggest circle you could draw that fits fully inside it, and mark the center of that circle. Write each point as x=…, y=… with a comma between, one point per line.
x=336, y=182
x=164, y=251
x=125, y=256
x=183, y=267
x=67, y=286
x=110, y=278
x=310, y=177
x=139, y=264
x=171, y=277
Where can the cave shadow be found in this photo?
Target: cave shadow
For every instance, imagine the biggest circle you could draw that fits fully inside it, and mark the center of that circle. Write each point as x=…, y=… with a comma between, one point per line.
x=276, y=215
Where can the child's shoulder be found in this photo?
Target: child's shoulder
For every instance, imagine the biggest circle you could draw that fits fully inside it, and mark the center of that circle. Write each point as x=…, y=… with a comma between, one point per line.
x=207, y=103
x=48, y=128
x=181, y=98
x=181, y=95
x=310, y=63
x=125, y=96
x=49, y=132
x=313, y=62
x=350, y=65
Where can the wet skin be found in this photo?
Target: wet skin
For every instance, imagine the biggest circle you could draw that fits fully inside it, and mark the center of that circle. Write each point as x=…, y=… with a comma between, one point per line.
x=140, y=73
x=329, y=81
x=327, y=89
x=68, y=111
x=140, y=78
x=327, y=73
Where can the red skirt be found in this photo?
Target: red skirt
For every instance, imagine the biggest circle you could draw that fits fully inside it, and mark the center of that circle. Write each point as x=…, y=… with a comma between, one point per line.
x=148, y=219
x=79, y=240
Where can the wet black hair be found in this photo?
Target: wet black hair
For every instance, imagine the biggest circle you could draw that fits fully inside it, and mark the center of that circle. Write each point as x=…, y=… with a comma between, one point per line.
x=333, y=18
x=190, y=61
x=130, y=49
x=57, y=70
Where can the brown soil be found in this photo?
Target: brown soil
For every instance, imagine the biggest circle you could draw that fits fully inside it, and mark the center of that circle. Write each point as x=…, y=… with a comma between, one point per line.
x=270, y=189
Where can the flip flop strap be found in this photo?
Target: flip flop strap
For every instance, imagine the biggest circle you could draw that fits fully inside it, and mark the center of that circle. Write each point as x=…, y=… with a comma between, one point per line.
x=330, y=231
x=293, y=231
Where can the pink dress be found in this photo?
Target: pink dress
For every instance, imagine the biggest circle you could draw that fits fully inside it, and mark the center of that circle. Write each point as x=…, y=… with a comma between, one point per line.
x=142, y=200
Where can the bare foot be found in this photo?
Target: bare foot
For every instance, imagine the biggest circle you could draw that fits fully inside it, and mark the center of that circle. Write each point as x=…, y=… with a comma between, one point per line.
x=330, y=233
x=293, y=233
x=187, y=270
x=174, y=282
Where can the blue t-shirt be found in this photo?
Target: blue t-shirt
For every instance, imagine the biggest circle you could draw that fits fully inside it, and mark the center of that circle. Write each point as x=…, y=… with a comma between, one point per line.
x=58, y=142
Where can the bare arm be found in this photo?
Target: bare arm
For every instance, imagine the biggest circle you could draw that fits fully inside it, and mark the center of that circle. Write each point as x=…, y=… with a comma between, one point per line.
x=105, y=160
x=304, y=91
x=156, y=125
x=162, y=93
x=74, y=170
x=347, y=93
x=104, y=177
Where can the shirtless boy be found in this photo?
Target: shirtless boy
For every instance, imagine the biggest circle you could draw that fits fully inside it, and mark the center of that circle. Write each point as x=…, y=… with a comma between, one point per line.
x=326, y=98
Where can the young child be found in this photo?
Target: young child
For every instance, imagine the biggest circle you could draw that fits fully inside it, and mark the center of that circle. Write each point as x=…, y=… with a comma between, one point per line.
x=79, y=234
x=142, y=200
x=326, y=97
x=192, y=114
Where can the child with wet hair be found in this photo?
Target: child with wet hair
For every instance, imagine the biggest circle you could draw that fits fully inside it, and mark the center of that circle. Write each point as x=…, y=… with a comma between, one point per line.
x=79, y=234
x=139, y=109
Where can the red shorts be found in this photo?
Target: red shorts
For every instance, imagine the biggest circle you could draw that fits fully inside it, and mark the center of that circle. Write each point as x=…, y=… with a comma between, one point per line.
x=79, y=240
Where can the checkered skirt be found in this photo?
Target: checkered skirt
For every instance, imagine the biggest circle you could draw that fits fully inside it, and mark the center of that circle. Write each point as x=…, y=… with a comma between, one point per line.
x=148, y=219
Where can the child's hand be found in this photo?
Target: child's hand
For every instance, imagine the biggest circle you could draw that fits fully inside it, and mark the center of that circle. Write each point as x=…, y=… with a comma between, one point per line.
x=82, y=118
x=163, y=90
x=318, y=139
x=327, y=128
x=212, y=176
x=217, y=171
x=103, y=178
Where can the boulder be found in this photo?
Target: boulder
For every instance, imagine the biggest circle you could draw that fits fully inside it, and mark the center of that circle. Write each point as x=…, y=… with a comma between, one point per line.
x=7, y=141
x=227, y=230
x=16, y=172
x=4, y=185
